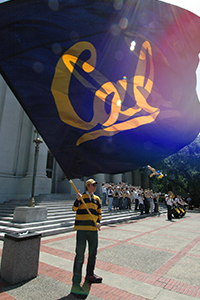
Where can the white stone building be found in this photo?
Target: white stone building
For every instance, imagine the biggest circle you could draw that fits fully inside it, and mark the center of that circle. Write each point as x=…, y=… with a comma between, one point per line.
x=17, y=152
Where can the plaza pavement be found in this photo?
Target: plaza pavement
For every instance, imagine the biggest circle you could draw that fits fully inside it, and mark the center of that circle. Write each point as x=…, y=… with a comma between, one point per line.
x=148, y=258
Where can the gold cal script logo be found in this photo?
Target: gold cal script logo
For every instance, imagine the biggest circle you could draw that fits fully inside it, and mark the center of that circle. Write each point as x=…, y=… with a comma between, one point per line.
x=117, y=120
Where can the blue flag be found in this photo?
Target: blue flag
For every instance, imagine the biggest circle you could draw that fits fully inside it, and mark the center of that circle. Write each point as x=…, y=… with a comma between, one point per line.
x=109, y=85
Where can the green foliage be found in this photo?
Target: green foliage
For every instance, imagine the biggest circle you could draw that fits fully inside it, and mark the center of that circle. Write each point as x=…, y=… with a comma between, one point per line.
x=182, y=169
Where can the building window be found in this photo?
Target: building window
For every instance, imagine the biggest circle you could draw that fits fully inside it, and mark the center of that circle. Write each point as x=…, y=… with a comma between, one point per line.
x=49, y=166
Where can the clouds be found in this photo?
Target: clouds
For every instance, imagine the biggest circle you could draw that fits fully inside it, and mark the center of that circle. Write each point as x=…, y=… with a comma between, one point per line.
x=192, y=5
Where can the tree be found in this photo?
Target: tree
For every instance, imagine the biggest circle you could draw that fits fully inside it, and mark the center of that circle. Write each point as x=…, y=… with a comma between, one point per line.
x=183, y=171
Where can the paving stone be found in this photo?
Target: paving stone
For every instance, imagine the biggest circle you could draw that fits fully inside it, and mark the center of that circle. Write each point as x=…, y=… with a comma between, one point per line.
x=186, y=270
x=147, y=259
x=135, y=257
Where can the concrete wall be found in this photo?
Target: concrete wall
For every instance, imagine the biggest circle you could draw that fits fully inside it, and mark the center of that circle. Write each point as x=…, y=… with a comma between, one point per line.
x=17, y=151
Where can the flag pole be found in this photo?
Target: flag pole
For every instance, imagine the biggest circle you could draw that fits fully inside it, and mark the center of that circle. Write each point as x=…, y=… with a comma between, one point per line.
x=89, y=212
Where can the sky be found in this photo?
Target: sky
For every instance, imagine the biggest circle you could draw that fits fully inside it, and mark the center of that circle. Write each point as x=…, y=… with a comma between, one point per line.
x=193, y=6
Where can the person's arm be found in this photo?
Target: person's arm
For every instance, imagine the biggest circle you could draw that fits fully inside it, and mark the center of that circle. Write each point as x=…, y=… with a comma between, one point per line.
x=152, y=169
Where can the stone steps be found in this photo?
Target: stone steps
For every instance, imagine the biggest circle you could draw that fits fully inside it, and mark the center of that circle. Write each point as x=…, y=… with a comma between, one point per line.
x=60, y=217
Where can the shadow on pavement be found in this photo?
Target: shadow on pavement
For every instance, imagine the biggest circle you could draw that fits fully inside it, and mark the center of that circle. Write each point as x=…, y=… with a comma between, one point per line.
x=86, y=287
x=194, y=210
x=69, y=297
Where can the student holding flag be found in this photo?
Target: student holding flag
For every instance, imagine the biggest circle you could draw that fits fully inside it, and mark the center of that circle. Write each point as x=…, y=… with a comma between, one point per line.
x=87, y=231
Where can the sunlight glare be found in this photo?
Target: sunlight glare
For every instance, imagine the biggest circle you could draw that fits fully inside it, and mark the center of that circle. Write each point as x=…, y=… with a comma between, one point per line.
x=133, y=44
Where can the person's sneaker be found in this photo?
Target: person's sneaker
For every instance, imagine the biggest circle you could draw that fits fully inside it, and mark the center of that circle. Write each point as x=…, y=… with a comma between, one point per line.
x=93, y=279
x=77, y=291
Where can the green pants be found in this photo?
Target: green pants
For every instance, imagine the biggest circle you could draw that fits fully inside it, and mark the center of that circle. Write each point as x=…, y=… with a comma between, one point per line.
x=82, y=237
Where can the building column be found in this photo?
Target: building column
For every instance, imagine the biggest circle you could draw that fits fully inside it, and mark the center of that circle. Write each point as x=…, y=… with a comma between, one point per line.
x=99, y=178
x=116, y=178
x=3, y=88
x=65, y=187
x=13, y=151
x=128, y=177
x=146, y=181
x=137, y=178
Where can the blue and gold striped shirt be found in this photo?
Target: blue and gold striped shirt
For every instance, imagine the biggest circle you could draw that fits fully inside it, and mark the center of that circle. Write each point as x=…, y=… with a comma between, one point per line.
x=83, y=220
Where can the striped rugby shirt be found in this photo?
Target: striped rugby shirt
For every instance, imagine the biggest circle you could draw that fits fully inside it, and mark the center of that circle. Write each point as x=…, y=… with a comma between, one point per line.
x=83, y=220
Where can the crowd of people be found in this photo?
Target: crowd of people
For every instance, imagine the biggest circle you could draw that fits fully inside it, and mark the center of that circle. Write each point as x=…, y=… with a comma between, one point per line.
x=123, y=196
